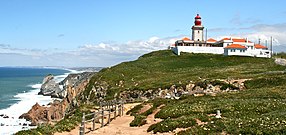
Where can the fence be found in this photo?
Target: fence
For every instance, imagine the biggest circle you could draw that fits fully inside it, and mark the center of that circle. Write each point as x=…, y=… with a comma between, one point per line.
x=106, y=109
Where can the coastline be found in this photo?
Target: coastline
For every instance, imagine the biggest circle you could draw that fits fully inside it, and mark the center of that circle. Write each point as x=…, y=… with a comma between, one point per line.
x=11, y=123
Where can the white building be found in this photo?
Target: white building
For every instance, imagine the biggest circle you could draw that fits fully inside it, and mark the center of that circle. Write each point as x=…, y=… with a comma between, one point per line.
x=226, y=46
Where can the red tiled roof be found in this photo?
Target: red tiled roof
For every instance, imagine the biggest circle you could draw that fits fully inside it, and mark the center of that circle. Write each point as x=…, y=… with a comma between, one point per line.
x=211, y=40
x=186, y=39
x=258, y=46
x=237, y=40
x=236, y=46
x=225, y=39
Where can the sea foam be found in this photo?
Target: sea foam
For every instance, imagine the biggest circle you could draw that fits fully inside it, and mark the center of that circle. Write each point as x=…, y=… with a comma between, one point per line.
x=13, y=124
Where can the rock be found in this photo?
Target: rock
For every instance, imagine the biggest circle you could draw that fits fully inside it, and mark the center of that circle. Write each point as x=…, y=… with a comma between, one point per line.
x=59, y=93
x=198, y=95
x=168, y=96
x=49, y=86
x=280, y=61
x=1, y=115
x=73, y=85
x=163, y=93
x=134, y=95
x=190, y=86
x=172, y=88
x=5, y=117
x=36, y=114
x=198, y=88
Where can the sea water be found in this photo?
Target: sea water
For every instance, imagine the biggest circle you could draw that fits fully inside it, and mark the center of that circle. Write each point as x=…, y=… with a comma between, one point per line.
x=19, y=89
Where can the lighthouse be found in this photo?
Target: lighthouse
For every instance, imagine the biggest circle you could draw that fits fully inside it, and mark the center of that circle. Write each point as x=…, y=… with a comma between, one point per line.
x=198, y=29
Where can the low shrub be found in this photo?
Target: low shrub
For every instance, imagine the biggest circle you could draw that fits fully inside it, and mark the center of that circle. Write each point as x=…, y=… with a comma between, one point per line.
x=135, y=110
x=138, y=121
x=171, y=124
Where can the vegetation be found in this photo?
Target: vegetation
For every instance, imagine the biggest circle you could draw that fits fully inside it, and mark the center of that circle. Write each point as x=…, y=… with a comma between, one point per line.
x=260, y=109
x=280, y=55
x=161, y=69
x=67, y=124
x=135, y=110
x=138, y=121
x=140, y=118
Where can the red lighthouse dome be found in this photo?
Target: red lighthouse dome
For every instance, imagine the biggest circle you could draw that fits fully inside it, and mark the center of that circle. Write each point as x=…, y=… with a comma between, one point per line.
x=198, y=20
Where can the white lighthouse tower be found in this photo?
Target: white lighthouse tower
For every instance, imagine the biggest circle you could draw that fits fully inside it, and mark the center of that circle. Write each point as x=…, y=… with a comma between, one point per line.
x=198, y=29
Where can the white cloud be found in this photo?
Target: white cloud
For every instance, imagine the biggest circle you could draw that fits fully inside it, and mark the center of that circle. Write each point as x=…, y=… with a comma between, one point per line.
x=102, y=54
x=264, y=33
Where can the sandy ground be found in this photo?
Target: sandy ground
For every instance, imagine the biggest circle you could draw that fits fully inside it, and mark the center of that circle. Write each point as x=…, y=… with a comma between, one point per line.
x=119, y=126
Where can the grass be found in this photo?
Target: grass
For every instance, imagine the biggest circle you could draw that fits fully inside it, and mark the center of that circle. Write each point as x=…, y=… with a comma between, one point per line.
x=280, y=55
x=261, y=109
x=140, y=118
x=257, y=110
x=138, y=121
x=135, y=110
x=162, y=69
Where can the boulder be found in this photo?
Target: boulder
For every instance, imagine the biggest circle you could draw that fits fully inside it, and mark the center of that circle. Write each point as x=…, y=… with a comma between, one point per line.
x=36, y=114
x=49, y=86
x=190, y=86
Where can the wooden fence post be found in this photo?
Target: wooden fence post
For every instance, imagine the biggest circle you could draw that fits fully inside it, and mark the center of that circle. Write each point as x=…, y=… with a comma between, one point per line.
x=82, y=127
x=93, y=124
x=102, y=118
x=109, y=112
x=119, y=109
x=122, y=107
x=115, y=110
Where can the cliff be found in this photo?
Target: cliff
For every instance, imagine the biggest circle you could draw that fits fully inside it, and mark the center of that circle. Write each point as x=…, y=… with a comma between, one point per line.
x=73, y=85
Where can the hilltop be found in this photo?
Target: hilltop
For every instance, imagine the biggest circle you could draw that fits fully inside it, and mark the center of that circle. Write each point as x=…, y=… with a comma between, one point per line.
x=162, y=69
x=258, y=108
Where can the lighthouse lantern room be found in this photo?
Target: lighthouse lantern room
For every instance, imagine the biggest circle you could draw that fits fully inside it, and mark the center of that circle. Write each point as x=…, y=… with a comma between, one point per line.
x=198, y=29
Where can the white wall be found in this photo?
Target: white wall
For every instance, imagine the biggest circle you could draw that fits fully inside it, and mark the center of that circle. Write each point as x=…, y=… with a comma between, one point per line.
x=198, y=35
x=237, y=52
x=198, y=49
x=248, y=52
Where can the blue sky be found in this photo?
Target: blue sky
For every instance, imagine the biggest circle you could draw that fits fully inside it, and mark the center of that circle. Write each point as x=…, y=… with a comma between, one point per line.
x=107, y=32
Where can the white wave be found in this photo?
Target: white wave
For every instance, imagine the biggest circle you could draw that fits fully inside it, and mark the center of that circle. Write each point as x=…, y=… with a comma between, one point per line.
x=35, y=86
x=27, y=100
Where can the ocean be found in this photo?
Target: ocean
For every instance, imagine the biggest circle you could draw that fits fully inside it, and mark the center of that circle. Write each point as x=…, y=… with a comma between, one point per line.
x=19, y=89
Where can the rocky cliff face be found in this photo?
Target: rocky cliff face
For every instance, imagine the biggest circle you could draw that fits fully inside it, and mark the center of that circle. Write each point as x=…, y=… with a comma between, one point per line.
x=49, y=86
x=73, y=85
x=204, y=87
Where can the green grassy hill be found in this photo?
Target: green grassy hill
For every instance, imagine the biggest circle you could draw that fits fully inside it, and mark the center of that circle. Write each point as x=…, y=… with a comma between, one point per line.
x=260, y=109
x=161, y=69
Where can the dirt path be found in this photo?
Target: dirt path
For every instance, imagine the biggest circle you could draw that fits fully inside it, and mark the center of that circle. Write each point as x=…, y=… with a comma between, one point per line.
x=280, y=61
x=120, y=126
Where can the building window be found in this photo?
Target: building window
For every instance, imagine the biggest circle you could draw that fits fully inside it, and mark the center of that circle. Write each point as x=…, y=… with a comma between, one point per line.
x=232, y=50
x=198, y=31
x=242, y=50
x=198, y=39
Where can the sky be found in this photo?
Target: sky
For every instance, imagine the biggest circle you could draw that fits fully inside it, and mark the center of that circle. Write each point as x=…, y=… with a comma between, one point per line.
x=102, y=33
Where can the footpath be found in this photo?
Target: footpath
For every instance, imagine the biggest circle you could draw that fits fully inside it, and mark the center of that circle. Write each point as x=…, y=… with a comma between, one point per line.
x=120, y=126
